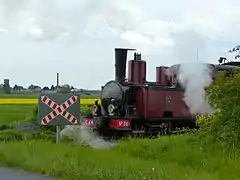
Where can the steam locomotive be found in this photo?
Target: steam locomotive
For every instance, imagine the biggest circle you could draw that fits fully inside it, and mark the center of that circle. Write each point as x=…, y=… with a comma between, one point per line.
x=134, y=105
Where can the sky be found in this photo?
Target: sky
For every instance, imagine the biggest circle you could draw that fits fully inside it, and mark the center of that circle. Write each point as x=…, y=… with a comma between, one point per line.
x=39, y=38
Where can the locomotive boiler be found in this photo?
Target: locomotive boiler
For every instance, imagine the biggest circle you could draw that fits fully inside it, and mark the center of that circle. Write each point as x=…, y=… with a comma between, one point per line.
x=134, y=105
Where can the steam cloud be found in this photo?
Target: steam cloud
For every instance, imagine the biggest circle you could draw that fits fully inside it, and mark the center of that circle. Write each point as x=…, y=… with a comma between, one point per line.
x=194, y=74
x=194, y=77
x=82, y=135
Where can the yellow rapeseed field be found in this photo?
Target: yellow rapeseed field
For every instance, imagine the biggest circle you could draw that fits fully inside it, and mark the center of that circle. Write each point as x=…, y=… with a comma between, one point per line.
x=35, y=101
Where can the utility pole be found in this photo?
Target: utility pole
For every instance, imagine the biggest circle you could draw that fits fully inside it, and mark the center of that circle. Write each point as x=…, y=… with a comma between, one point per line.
x=58, y=129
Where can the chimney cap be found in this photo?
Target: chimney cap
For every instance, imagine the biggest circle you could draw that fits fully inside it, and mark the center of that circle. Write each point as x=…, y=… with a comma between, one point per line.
x=130, y=49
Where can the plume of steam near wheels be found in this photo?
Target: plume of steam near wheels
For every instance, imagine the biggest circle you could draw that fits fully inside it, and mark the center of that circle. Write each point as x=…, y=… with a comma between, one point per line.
x=85, y=136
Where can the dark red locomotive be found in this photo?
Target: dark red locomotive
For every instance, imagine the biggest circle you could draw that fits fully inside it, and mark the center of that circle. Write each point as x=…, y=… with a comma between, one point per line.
x=137, y=106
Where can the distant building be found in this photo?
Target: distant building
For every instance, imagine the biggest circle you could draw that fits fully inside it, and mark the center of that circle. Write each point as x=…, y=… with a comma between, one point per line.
x=37, y=89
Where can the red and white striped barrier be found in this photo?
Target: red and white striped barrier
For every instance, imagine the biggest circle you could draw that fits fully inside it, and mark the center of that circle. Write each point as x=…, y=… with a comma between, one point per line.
x=59, y=110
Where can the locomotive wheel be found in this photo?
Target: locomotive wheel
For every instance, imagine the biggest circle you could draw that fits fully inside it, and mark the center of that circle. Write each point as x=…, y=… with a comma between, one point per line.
x=168, y=128
x=164, y=129
x=102, y=129
x=139, y=132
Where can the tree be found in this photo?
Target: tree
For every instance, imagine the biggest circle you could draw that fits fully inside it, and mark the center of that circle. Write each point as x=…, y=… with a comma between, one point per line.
x=224, y=95
x=46, y=88
x=52, y=87
x=17, y=88
x=65, y=88
x=32, y=87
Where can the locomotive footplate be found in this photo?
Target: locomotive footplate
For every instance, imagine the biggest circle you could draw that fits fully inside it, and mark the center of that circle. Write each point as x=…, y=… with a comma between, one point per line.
x=110, y=126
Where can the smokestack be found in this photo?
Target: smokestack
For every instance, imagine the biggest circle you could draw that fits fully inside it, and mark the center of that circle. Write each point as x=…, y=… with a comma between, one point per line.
x=120, y=63
x=137, y=56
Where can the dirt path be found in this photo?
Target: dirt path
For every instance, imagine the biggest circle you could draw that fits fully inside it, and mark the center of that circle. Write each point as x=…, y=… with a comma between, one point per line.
x=12, y=174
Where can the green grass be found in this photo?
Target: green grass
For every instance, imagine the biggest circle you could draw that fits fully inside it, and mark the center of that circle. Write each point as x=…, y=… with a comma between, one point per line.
x=166, y=158
x=11, y=113
x=25, y=96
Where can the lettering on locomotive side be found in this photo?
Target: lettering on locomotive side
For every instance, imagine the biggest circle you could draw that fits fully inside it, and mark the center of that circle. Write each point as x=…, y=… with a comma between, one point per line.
x=168, y=99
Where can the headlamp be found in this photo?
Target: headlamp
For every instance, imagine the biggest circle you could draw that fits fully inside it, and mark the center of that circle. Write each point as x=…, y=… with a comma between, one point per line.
x=111, y=109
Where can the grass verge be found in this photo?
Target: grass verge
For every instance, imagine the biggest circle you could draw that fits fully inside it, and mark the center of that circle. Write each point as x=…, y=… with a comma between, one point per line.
x=176, y=157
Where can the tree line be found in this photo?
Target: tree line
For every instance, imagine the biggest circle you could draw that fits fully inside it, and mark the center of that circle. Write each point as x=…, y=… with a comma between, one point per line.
x=7, y=88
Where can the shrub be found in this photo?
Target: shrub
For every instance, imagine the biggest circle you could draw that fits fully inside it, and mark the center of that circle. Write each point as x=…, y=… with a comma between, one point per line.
x=85, y=110
x=224, y=95
x=5, y=126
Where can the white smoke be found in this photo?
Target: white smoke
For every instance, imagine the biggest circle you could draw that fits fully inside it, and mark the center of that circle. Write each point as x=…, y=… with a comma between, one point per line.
x=194, y=73
x=81, y=135
x=195, y=77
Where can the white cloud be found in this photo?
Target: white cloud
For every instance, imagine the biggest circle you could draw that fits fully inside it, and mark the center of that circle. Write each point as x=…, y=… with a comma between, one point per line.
x=3, y=30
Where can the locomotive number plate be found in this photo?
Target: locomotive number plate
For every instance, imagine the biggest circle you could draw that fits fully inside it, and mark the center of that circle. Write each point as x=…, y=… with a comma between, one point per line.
x=88, y=122
x=124, y=123
x=120, y=123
